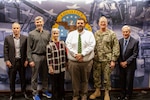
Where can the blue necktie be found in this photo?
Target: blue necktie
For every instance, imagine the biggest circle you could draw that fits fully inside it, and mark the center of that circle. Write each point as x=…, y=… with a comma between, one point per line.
x=124, y=46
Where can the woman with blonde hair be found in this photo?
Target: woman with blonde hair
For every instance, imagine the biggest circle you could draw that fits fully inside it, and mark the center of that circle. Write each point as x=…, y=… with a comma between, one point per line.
x=56, y=59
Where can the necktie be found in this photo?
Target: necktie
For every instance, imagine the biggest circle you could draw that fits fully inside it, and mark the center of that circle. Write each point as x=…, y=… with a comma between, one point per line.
x=79, y=44
x=125, y=46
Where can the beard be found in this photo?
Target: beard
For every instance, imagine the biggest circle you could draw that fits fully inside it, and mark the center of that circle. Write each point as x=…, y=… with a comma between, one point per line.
x=80, y=28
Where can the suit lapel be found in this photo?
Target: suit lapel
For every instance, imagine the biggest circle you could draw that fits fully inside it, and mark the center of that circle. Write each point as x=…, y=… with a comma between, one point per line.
x=21, y=38
x=121, y=44
x=12, y=41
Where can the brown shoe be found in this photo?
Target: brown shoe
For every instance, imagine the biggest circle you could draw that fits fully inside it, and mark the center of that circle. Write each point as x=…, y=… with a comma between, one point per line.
x=75, y=98
x=96, y=94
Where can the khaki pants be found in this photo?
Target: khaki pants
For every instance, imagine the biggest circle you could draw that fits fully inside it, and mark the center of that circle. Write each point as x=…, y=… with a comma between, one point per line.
x=80, y=72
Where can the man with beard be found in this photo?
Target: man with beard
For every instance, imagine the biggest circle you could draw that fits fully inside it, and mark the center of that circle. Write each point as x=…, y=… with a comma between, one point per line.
x=80, y=44
x=36, y=54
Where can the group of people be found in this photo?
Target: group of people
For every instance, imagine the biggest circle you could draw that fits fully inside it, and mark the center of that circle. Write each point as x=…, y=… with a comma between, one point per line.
x=81, y=51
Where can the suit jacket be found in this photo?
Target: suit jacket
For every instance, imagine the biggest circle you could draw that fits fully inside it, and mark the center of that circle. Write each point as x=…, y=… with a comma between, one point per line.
x=9, y=49
x=131, y=52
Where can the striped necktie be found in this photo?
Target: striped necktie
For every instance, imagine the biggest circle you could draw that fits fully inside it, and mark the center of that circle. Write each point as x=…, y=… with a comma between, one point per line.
x=79, y=44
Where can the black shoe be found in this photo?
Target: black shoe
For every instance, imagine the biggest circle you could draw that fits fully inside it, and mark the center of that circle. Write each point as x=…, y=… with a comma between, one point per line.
x=11, y=98
x=120, y=98
x=25, y=96
x=126, y=98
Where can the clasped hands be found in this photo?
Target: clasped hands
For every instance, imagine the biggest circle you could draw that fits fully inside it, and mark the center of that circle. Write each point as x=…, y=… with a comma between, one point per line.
x=79, y=57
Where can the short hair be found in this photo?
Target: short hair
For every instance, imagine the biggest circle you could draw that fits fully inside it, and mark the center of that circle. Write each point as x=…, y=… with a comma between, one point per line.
x=55, y=29
x=103, y=18
x=38, y=18
x=15, y=23
x=126, y=26
x=81, y=19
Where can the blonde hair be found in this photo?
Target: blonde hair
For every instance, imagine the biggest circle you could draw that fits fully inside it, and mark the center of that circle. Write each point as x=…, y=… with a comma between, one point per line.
x=103, y=18
x=52, y=31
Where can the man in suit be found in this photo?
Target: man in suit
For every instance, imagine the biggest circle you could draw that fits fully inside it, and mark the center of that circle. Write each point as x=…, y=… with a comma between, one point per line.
x=127, y=62
x=15, y=47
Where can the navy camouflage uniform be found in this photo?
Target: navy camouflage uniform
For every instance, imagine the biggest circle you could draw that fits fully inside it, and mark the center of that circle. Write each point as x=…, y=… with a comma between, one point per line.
x=106, y=50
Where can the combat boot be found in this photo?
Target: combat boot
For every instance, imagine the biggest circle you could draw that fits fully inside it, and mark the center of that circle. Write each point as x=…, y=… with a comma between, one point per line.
x=107, y=97
x=96, y=94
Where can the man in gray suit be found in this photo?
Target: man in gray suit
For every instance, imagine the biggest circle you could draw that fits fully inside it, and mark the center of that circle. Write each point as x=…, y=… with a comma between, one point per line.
x=127, y=62
x=15, y=48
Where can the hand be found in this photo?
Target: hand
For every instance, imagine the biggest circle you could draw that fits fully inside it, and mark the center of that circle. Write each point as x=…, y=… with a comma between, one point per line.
x=25, y=63
x=51, y=70
x=112, y=64
x=79, y=57
x=8, y=64
x=32, y=64
x=123, y=64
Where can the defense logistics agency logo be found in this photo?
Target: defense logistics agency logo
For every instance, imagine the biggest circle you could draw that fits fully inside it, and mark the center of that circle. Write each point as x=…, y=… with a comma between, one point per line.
x=66, y=21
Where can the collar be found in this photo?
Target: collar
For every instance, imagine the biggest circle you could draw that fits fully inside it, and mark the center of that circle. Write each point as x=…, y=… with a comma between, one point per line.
x=15, y=36
x=127, y=38
x=81, y=32
x=38, y=30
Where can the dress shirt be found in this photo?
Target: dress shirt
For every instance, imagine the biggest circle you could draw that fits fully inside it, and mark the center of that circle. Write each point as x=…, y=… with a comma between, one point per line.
x=17, y=47
x=88, y=42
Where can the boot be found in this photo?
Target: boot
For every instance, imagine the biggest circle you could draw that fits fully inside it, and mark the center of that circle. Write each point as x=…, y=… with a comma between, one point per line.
x=107, y=97
x=97, y=93
x=75, y=98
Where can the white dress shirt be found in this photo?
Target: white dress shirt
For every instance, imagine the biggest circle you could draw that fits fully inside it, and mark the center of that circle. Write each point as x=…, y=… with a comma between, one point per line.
x=87, y=39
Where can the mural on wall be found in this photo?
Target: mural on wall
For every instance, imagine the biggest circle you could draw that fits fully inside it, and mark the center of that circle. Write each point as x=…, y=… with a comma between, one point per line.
x=63, y=14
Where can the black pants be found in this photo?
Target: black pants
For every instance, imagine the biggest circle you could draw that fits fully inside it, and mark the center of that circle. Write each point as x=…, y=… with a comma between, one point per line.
x=57, y=86
x=12, y=76
x=126, y=79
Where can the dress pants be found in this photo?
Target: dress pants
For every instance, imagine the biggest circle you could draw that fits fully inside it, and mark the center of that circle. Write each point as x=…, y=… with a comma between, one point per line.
x=18, y=66
x=40, y=69
x=80, y=72
x=126, y=79
x=57, y=81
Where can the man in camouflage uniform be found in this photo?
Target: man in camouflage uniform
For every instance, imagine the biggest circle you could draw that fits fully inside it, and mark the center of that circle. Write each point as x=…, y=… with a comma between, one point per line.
x=106, y=53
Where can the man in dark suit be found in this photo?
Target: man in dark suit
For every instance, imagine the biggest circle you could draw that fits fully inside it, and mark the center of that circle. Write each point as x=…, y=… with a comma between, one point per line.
x=127, y=62
x=15, y=48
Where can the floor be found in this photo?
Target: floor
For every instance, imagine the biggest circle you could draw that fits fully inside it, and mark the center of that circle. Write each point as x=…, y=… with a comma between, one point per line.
x=137, y=95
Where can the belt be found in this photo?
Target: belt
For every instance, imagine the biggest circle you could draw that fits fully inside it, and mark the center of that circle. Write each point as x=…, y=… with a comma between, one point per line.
x=17, y=59
x=40, y=54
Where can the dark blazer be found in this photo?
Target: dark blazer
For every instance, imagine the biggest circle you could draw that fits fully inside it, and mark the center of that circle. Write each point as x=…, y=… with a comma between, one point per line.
x=130, y=53
x=9, y=49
